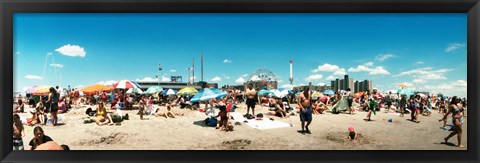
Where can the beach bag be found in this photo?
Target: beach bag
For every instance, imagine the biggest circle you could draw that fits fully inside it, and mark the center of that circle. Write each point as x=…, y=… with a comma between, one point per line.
x=260, y=115
x=116, y=118
x=211, y=121
x=249, y=116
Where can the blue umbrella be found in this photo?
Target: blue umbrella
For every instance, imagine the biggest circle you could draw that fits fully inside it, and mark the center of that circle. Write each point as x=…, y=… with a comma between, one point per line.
x=264, y=92
x=406, y=91
x=208, y=94
x=328, y=92
x=169, y=92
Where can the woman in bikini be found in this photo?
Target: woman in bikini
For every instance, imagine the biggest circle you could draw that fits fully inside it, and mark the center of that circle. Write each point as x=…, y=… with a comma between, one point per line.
x=456, y=109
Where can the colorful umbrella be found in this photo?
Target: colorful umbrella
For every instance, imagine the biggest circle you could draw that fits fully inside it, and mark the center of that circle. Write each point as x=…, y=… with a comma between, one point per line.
x=125, y=84
x=94, y=89
x=169, y=92
x=31, y=89
x=406, y=91
x=208, y=94
x=187, y=91
x=328, y=92
x=154, y=89
x=359, y=94
x=41, y=91
x=135, y=90
x=402, y=85
x=264, y=92
x=317, y=95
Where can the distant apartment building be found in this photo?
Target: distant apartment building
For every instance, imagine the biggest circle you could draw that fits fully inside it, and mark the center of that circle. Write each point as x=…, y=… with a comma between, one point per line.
x=355, y=86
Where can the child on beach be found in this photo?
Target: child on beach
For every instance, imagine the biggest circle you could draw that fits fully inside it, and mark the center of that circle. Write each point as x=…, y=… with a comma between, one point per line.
x=372, y=108
x=18, y=133
x=352, y=134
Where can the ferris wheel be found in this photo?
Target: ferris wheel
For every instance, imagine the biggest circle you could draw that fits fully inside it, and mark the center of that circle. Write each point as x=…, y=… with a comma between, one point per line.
x=263, y=74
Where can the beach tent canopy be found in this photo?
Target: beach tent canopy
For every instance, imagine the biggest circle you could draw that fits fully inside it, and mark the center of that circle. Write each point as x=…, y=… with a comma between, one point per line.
x=340, y=106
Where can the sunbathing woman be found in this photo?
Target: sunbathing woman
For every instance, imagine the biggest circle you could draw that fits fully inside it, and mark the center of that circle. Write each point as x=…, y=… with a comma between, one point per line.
x=456, y=109
x=280, y=109
x=103, y=117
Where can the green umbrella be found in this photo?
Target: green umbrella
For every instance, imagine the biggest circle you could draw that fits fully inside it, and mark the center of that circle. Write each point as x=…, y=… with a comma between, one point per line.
x=154, y=89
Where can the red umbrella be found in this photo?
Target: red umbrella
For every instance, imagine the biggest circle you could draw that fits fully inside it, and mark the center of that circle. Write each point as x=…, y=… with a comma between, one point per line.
x=126, y=84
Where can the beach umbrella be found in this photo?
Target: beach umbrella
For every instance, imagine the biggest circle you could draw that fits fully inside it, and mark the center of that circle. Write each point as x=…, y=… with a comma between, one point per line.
x=41, y=91
x=317, y=95
x=169, y=92
x=285, y=91
x=135, y=90
x=264, y=92
x=154, y=89
x=406, y=91
x=187, y=91
x=208, y=94
x=94, y=89
x=126, y=84
x=31, y=89
x=402, y=85
x=328, y=92
x=422, y=95
x=380, y=95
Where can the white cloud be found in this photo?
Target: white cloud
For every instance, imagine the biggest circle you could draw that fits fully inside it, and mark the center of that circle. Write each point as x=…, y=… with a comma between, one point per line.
x=216, y=79
x=173, y=70
x=227, y=77
x=57, y=65
x=460, y=83
x=419, y=63
x=331, y=77
x=255, y=78
x=227, y=61
x=240, y=80
x=419, y=81
x=25, y=88
x=368, y=64
x=379, y=70
x=166, y=79
x=313, y=77
x=453, y=47
x=245, y=75
x=288, y=86
x=326, y=68
x=109, y=82
x=79, y=86
x=321, y=84
x=33, y=77
x=71, y=51
x=280, y=81
x=340, y=72
x=383, y=57
x=148, y=79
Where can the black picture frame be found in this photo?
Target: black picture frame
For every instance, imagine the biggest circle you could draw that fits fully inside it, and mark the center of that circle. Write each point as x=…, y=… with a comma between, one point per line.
x=9, y=7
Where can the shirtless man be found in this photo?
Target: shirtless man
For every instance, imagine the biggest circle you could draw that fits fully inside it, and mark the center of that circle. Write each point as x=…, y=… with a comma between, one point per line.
x=250, y=92
x=18, y=133
x=305, y=103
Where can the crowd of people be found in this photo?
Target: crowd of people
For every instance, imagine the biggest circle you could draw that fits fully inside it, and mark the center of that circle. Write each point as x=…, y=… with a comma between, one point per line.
x=110, y=105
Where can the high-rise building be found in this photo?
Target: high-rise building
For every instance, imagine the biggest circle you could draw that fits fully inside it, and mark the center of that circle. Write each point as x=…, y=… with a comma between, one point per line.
x=355, y=86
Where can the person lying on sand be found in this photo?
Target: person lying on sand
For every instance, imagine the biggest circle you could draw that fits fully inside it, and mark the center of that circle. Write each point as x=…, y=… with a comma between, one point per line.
x=167, y=113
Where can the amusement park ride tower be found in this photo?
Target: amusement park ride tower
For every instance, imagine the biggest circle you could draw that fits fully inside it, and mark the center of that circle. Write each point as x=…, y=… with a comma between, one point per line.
x=291, y=72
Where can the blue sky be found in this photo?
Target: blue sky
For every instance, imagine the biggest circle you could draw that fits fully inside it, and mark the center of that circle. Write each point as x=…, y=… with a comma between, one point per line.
x=425, y=51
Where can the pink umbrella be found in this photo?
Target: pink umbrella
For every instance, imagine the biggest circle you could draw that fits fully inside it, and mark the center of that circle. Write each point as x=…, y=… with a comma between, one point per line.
x=126, y=84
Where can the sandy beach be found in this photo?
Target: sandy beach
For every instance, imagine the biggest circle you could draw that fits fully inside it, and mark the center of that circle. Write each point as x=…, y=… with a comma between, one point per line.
x=187, y=132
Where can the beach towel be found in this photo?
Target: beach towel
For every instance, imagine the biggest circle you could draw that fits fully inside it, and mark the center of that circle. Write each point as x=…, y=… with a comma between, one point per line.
x=258, y=124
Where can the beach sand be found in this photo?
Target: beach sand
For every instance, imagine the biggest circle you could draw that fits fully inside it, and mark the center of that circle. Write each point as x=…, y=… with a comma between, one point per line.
x=329, y=132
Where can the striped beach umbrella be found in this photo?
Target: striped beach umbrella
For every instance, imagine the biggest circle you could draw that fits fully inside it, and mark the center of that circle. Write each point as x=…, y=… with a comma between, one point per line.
x=31, y=89
x=126, y=84
x=208, y=94
x=169, y=92
x=135, y=90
